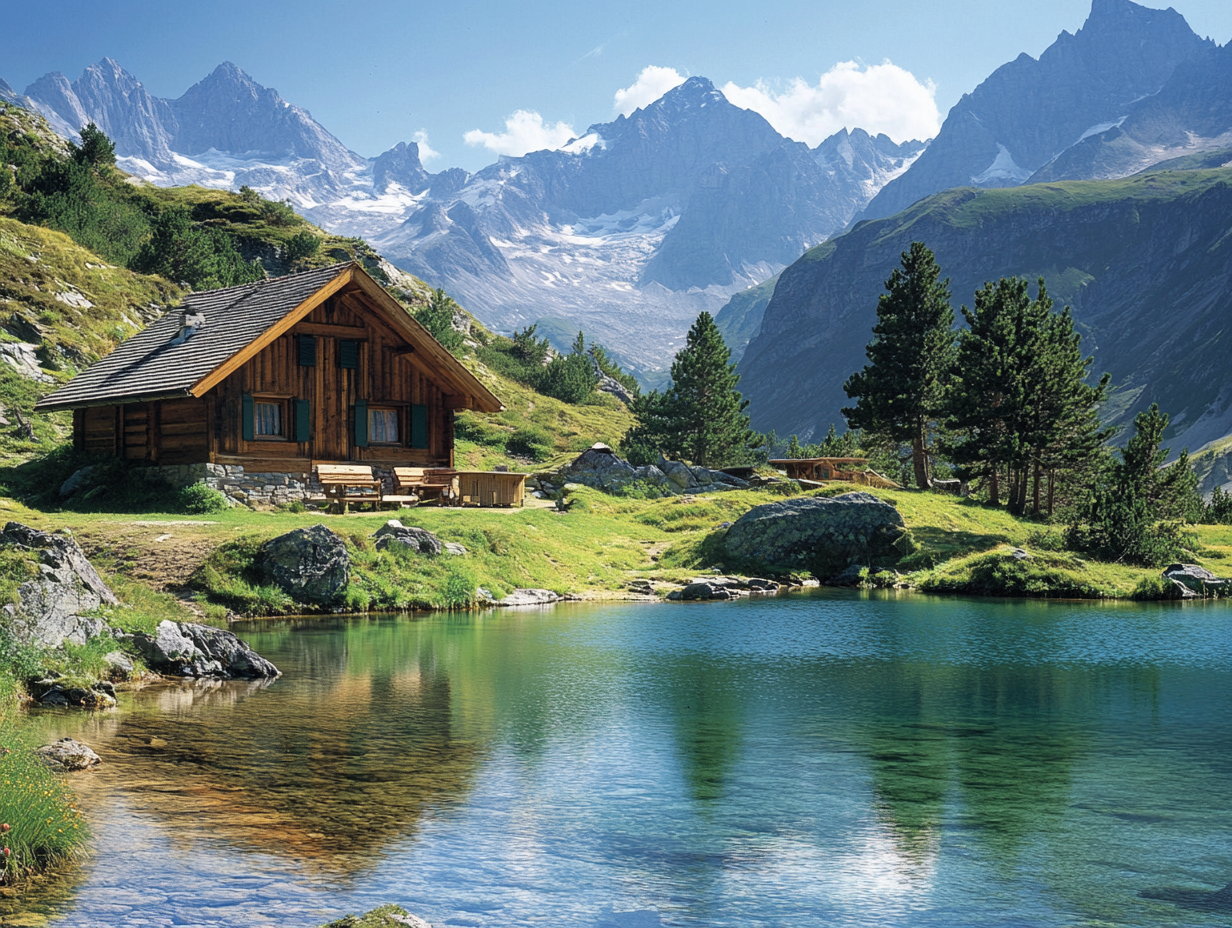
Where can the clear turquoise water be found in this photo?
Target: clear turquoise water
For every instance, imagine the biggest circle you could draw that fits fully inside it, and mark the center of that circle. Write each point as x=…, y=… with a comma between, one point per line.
x=832, y=759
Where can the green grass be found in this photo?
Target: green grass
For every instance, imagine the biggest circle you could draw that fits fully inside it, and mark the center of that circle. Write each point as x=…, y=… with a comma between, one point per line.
x=40, y=825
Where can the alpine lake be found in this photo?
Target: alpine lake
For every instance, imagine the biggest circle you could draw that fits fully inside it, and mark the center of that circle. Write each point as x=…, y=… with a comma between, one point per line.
x=820, y=758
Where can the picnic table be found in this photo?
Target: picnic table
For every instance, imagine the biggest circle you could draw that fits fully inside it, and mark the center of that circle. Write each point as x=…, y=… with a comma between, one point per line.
x=349, y=483
x=415, y=484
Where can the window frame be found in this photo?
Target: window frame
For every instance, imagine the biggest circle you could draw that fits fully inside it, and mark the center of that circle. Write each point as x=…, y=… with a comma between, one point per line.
x=399, y=416
x=283, y=405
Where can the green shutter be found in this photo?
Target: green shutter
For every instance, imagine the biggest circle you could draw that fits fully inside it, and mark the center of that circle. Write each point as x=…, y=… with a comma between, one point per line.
x=419, y=426
x=249, y=425
x=307, y=351
x=348, y=354
x=303, y=420
x=361, y=423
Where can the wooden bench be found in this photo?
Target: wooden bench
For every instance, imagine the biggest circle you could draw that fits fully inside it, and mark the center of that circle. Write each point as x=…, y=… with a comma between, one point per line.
x=415, y=484
x=349, y=483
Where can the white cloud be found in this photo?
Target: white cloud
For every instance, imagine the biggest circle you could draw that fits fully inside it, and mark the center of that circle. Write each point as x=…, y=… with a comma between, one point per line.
x=524, y=131
x=652, y=83
x=426, y=151
x=878, y=98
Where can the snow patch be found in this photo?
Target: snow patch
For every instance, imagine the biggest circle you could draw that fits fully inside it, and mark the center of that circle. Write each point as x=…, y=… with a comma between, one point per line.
x=1003, y=168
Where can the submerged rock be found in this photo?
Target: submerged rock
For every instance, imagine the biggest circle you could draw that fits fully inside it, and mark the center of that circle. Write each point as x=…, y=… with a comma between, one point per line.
x=189, y=649
x=311, y=565
x=389, y=916
x=67, y=754
x=819, y=534
x=64, y=585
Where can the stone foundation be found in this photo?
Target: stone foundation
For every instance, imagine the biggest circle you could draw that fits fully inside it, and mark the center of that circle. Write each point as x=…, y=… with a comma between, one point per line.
x=256, y=490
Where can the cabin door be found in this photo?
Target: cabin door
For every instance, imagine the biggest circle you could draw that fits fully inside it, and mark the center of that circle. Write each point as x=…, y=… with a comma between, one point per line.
x=333, y=435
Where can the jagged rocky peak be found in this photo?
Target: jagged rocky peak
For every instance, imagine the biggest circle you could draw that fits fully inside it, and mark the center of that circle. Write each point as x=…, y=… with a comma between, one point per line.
x=400, y=165
x=1027, y=112
x=140, y=124
x=230, y=112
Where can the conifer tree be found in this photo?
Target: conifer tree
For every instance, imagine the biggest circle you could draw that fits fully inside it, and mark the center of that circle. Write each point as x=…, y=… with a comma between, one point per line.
x=700, y=417
x=1019, y=403
x=900, y=393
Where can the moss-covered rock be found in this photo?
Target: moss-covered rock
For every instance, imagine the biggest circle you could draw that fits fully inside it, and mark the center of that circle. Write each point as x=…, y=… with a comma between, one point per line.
x=818, y=534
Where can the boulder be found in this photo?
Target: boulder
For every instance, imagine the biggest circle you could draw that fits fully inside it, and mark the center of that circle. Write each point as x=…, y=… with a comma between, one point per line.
x=703, y=591
x=1190, y=580
x=455, y=549
x=529, y=598
x=54, y=693
x=823, y=535
x=189, y=649
x=599, y=467
x=311, y=565
x=678, y=473
x=420, y=540
x=67, y=754
x=50, y=606
x=79, y=479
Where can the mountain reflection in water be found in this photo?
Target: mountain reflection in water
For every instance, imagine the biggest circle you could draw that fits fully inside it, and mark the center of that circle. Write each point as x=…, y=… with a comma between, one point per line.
x=826, y=759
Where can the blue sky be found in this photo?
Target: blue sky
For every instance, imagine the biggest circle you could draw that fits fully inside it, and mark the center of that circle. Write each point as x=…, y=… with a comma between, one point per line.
x=380, y=72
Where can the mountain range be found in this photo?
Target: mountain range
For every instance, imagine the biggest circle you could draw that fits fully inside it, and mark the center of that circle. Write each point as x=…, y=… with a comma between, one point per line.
x=627, y=232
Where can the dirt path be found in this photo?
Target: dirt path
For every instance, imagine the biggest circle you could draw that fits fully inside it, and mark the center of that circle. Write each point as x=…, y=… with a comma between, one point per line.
x=162, y=555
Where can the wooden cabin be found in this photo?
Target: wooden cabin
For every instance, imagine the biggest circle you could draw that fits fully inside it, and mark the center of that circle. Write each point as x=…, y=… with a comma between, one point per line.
x=821, y=468
x=322, y=366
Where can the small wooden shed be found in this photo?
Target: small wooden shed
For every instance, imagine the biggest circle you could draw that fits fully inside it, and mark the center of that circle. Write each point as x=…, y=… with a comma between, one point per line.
x=322, y=366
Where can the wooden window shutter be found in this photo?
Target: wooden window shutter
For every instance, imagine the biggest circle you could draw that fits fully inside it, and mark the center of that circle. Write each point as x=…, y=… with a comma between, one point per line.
x=348, y=354
x=361, y=423
x=303, y=420
x=307, y=351
x=250, y=427
x=419, y=426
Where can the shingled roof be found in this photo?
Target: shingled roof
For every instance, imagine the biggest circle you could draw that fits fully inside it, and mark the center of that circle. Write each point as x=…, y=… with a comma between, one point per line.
x=151, y=366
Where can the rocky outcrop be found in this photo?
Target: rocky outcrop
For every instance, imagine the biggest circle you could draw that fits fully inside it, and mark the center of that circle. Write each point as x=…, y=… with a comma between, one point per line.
x=1189, y=581
x=311, y=565
x=189, y=649
x=600, y=468
x=67, y=754
x=388, y=916
x=63, y=587
x=529, y=597
x=54, y=692
x=22, y=358
x=419, y=540
x=708, y=589
x=822, y=535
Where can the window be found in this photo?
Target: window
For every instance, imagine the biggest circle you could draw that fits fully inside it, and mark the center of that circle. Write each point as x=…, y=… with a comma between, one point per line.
x=267, y=419
x=383, y=426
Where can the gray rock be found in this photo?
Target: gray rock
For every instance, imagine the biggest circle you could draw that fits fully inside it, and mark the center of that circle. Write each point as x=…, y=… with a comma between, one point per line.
x=420, y=540
x=1020, y=554
x=759, y=585
x=819, y=534
x=23, y=358
x=50, y=607
x=67, y=754
x=1194, y=580
x=311, y=565
x=529, y=598
x=851, y=575
x=189, y=649
x=455, y=549
x=79, y=478
x=599, y=467
x=704, y=591
x=678, y=472
x=119, y=662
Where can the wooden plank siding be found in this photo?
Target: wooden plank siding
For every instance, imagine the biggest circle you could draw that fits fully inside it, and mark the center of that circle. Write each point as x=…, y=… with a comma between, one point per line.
x=210, y=429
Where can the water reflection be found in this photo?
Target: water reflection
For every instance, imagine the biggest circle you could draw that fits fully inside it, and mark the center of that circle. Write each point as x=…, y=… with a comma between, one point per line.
x=837, y=759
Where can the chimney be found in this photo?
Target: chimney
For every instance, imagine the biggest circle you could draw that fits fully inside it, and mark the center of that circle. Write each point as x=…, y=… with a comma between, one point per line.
x=190, y=322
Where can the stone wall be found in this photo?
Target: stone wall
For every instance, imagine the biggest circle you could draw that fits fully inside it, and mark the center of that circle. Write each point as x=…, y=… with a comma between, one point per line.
x=252, y=489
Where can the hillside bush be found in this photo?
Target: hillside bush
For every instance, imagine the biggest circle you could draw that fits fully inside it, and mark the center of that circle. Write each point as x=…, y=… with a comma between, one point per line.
x=530, y=442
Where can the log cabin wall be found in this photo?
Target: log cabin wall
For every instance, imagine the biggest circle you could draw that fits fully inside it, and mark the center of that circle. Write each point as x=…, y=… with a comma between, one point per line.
x=380, y=373
x=159, y=432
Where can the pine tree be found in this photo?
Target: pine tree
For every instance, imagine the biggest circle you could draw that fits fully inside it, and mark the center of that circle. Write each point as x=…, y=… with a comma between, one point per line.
x=700, y=417
x=1019, y=403
x=900, y=392
x=437, y=317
